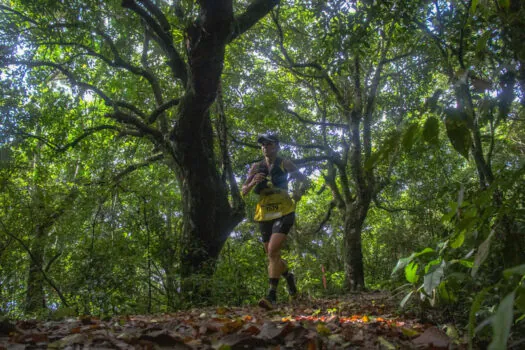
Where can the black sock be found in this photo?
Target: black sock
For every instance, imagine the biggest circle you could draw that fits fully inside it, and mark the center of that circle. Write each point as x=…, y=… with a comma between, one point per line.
x=272, y=293
x=274, y=282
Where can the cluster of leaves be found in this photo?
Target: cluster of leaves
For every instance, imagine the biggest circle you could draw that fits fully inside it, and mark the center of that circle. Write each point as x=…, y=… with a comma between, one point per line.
x=308, y=324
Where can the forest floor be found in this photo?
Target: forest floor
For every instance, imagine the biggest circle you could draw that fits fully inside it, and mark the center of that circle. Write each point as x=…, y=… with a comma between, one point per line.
x=357, y=321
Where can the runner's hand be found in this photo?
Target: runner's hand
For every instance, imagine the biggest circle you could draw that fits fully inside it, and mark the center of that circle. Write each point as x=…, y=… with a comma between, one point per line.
x=259, y=177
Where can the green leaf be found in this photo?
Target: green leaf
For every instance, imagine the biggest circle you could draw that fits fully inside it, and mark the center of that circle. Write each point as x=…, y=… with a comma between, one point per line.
x=474, y=308
x=481, y=254
x=433, y=263
x=458, y=132
x=405, y=299
x=516, y=270
x=433, y=278
x=457, y=240
x=401, y=263
x=431, y=131
x=410, y=136
x=520, y=299
x=504, y=4
x=464, y=262
x=473, y=6
x=501, y=323
x=481, y=45
x=411, y=272
x=374, y=158
x=446, y=292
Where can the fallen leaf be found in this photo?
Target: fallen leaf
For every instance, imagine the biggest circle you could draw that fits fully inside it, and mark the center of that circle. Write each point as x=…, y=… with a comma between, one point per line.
x=68, y=341
x=221, y=310
x=323, y=330
x=162, y=338
x=241, y=341
x=410, y=333
x=251, y=329
x=433, y=337
x=232, y=326
x=271, y=331
x=359, y=337
x=385, y=344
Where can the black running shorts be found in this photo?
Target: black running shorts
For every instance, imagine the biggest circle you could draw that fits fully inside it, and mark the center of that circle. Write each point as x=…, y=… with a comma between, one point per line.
x=281, y=225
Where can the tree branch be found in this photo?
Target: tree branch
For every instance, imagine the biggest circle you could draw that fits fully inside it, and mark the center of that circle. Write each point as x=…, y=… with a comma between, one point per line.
x=32, y=257
x=292, y=64
x=330, y=181
x=139, y=124
x=24, y=17
x=228, y=175
x=87, y=133
x=254, y=12
x=161, y=109
x=134, y=167
x=73, y=81
x=117, y=62
x=326, y=217
x=162, y=37
x=311, y=122
x=392, y=210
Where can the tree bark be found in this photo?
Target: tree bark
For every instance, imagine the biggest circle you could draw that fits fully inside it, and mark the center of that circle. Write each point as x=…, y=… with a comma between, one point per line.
x=35, y=296
x=208, y=216
x=355, y=216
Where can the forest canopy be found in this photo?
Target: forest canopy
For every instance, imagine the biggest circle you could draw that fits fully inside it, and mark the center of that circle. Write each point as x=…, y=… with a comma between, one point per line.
x=127, y=127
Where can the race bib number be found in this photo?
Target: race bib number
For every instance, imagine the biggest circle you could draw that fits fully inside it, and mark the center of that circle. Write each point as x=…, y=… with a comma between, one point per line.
x=273, y=206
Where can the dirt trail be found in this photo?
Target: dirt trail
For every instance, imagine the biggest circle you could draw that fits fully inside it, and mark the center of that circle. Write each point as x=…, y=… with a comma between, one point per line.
x=357, y=321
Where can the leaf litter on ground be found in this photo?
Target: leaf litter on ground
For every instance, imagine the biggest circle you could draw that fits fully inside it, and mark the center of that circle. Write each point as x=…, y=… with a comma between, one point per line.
x=357, y=321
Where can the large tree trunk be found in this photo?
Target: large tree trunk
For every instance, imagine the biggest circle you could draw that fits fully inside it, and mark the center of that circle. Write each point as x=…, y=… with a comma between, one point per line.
x=208, y=216
x=354, y=219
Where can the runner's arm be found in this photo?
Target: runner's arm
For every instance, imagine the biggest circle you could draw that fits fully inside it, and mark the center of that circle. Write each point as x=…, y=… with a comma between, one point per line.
x=253, y=179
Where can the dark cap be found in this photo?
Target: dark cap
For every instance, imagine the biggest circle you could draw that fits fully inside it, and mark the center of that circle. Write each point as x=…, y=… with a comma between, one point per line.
x=268, y=138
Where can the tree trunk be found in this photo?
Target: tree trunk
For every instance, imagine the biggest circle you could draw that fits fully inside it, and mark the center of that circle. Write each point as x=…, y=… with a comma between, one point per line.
x=355, y=216
x=208, y=217
x=35, y=296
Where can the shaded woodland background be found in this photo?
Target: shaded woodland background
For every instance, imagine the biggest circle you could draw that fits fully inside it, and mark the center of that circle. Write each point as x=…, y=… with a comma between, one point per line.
x=126, y=128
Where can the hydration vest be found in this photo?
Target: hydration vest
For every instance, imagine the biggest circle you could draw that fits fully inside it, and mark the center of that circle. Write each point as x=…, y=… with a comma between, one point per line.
x=277, y=176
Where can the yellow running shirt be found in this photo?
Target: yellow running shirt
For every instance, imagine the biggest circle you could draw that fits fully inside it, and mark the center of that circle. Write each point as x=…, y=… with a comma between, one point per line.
x=273, y=204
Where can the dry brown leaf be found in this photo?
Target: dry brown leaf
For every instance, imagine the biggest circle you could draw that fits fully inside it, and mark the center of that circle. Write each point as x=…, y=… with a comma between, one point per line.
x=433, y=337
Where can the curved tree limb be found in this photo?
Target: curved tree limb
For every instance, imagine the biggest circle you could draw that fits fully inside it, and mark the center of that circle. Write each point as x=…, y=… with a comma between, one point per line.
x=254, y=12
x=133, y=167
x=331, y=183
x=390, y=209
x=311, y=122
x=74, y=81
x=32, y=257
x=326, y=217
x=155, y=11
x=228, y=175
x=21, y=15
x=138, y=123
x=118, y=61
x=161, y=109
x=162, y=37
x=87, y=132
x=292, y=64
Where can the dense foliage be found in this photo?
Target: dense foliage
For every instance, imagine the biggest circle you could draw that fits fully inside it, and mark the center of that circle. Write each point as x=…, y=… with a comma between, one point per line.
x=407, y=116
